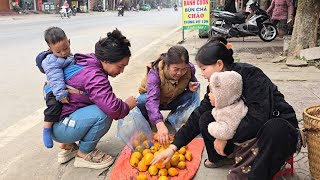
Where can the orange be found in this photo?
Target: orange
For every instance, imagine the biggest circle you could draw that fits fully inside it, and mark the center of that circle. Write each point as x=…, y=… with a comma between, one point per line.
x=173, y=172
x=142, y=167
x=146, y=151
x=188, y=156
x=148, y=158
x=134, y=162
x=137, y=155
x=182, y=150
x=153, y=170
x=163, y=172
x=142, y=177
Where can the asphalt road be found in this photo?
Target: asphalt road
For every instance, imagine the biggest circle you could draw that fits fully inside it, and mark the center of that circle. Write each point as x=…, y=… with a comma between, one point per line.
x=21, y=39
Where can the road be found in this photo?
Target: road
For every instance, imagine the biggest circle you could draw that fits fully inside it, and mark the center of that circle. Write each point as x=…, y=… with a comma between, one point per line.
x=22, y=39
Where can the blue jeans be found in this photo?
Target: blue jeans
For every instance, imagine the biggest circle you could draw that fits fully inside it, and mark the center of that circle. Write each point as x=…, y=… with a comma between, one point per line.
x=87, y=125
x=181, y=99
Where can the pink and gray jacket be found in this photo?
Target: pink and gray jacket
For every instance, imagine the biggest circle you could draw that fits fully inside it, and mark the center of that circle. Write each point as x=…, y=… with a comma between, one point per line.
x=280, y=9
x=93, y=80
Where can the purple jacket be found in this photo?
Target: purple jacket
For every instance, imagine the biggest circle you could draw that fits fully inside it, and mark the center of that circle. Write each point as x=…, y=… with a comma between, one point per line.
x=153, y=94
x=280, y=9
x=94, y=81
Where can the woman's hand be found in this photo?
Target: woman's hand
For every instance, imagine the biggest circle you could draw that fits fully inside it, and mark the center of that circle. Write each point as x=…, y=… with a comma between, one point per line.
x=132, y=102
x=163, y=133
x=193, y=86
x=165, y=154
x=219, y=146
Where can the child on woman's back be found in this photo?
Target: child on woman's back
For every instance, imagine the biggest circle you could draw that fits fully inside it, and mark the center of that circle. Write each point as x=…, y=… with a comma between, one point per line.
x=52, y=63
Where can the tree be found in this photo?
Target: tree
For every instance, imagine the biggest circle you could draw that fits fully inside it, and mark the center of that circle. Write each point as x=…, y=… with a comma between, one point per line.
x=264, y=4
x=305, y=26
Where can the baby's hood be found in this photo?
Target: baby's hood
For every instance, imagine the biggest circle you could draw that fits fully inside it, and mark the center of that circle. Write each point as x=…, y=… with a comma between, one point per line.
x=226, y=87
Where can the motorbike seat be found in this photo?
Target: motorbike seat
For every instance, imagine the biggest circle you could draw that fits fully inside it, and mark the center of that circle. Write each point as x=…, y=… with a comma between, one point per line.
x=242, y=15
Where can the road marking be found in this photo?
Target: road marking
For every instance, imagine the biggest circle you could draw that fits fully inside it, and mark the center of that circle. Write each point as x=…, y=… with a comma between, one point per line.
x=32, y=120
x=20, y=127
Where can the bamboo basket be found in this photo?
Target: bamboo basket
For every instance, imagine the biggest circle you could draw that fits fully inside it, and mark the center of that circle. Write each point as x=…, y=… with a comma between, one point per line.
x=311, y=118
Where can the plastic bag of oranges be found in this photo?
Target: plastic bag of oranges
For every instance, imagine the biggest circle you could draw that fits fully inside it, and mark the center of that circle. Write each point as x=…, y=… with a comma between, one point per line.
x=134, y=130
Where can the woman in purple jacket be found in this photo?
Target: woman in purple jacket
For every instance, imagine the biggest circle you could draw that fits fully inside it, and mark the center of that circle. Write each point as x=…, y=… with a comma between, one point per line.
x=92, y=104
x=169, y=83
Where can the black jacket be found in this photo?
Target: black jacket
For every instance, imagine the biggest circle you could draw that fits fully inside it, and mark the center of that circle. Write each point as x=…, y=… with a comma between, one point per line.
x=230, y=6
x=260, y=95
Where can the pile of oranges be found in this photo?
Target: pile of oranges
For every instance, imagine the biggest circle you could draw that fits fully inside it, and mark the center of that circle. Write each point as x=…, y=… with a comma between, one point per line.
x=143, y=155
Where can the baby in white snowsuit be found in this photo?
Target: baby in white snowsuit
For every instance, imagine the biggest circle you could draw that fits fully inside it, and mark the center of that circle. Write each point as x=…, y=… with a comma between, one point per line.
x=229, y=109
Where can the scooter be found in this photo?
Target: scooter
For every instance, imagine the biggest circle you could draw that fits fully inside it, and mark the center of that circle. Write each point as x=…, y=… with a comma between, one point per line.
x=65, y=12
x=120, y=10
x=74, y=11
x=235, y=25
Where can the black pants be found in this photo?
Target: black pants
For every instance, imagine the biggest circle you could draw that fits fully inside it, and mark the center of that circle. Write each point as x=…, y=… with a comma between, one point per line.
x=53, y=111
x=277, y=140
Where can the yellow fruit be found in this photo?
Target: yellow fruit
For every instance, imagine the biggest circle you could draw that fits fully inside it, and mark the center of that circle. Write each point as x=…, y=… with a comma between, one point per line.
x=142, y=136
x=161, y=149
x=181, y=157
x=142, y=176
x=176, y=153
x=168, y=165
x=139, y=149
x=148, y=158
x=142, y=167
x=137, y=155
x=181, y=165
x=156, y=144
x=175, y=160
x=156, y=153
x=145, y=144
x=154, y=149
x=186, y=147
x=146, y=151
x=182, y=150
x=160, y=164
x=153, y=170
x=135, y=143
x=134, y=162
x=188, y=156
x=163, y=172
x=163, y=178
x=155, y=137
x=173, y=172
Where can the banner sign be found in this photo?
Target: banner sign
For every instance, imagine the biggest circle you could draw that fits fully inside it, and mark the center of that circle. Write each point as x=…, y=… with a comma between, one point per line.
x=195, y=14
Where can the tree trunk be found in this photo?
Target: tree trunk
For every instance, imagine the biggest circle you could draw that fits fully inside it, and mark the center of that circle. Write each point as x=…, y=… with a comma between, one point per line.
x=264, y=4
x=305, y=26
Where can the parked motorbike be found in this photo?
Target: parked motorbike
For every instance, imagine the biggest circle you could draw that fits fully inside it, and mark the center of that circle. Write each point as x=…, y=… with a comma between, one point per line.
x=65, y=12
x=158, y=7
x=120, y=10
x=235, y=25
x=175, y=7
x=74, y=11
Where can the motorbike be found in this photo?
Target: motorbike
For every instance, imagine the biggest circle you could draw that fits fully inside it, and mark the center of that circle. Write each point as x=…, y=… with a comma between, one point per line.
x=65, y=12
x=120, y=10
x=235, y=25
x=159, y=8
x=175, y=8
x=74, y=11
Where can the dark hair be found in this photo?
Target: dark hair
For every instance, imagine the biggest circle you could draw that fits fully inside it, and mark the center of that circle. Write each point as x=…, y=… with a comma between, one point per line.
x=214, y=50
x=175, y=55
x=54, y=35
x=113, y=48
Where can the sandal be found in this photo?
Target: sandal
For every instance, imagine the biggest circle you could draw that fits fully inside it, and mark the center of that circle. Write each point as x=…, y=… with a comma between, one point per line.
x=221, y=163
x=96, y=159
x=66, y=155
